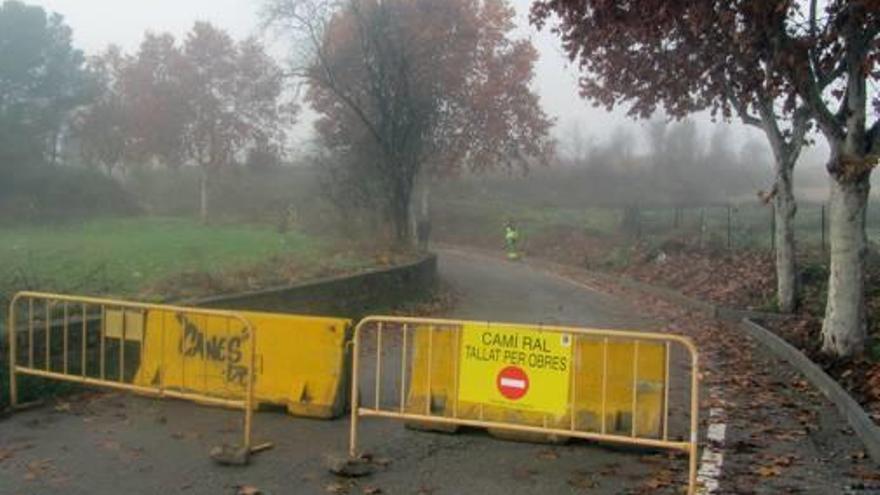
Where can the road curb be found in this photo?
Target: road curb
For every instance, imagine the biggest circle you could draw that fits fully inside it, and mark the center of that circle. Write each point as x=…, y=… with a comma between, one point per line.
x=855, y=415
x=353, y=294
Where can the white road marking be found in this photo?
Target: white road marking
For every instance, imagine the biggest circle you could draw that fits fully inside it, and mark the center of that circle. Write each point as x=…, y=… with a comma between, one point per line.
x=709, y=474
x=716, y=432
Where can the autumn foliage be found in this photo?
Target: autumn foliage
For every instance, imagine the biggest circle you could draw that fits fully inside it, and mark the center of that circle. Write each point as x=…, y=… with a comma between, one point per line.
x=806, y=59
x=412, y=88
x=208, y=102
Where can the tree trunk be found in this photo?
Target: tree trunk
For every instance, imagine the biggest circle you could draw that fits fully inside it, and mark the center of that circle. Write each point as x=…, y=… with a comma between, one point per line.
x=845, y=328
x=419, y=211
x=400, y=209
x=400, y=222
x=786, y=260
x=418, y=205
x=203, y=196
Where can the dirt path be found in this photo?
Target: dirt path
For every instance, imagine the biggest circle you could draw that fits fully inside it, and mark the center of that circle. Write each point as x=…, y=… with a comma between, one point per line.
x=99, y=444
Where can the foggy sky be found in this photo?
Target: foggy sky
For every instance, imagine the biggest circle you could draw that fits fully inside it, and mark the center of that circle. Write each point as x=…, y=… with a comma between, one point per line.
x=96, y=23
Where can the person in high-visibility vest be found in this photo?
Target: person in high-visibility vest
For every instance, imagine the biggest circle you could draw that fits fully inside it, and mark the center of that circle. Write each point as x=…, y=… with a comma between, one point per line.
x=511, y=237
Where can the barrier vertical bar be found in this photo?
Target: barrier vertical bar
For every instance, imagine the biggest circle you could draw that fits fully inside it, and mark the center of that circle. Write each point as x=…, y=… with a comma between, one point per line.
x=13, y=353
x=695, y=421
x=47, y=325
x=604, y=384
x=635, y=386
x=249, y=406
x=355, y=376
x=143, y=338
x=122, y=347
x=181, y=321
x=666, y=394
x=30, y=332
x=403, y=370
x=226, y=335
x=162, y=354
x=66, y=337
x=103, y=329
x=456, y=349
x=430, y=396
x=84, y=336
x=378, y=362
x=573, y=385
x=205, y=322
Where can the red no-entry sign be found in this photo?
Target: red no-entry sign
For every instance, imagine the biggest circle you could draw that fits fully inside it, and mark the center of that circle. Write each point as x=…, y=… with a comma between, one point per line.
x=513, y=382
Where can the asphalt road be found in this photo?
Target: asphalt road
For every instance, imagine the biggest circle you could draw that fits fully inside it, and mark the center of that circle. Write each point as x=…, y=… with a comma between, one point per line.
x=122, y=444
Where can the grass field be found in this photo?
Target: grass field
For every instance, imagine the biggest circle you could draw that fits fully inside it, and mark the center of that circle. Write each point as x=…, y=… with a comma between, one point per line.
x=152, y=259
x=123, y=257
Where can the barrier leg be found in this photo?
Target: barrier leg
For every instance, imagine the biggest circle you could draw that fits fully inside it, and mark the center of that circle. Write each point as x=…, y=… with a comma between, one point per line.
x=10, y=329
x=695, y=423
x=249, y=400
x=352, y=439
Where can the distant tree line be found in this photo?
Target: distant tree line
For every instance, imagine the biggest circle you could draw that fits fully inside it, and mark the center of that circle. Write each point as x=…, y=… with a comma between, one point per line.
x=670, y=164
x=207, y=101
x=405, y=91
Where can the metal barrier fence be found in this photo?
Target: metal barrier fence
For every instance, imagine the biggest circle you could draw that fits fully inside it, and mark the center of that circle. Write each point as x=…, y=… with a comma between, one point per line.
x=151, y=349
x=530, y=380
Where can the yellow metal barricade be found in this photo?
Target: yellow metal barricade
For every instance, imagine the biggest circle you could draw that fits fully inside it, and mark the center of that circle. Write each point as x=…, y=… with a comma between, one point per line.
x=528, y=381
x=202, y=355
x=301, y=361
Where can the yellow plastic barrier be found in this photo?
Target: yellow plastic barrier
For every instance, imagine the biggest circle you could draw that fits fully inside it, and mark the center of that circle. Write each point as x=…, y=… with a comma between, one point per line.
x=622, y=361
x=525, y=381
x=302, y=363
x=300, y=360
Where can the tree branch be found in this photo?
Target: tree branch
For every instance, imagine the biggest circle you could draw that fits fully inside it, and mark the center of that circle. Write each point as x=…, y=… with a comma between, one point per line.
x=872, y=138
x=742, y=110
x=809, y=86
x=770, y=125
x=799, y=127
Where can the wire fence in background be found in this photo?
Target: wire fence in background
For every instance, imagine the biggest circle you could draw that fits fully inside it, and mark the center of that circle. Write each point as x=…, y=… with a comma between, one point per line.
x=740, y=226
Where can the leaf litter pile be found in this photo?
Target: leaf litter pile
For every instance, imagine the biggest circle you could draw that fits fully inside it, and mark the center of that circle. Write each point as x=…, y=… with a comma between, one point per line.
x=747, y=281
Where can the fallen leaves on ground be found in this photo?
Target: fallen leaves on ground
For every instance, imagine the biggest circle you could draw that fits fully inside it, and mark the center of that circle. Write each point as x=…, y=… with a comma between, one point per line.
x=38, y=469
x=339, y=488
x=548, y=454
x=739, y=279
x=770, y=409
